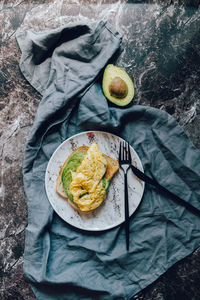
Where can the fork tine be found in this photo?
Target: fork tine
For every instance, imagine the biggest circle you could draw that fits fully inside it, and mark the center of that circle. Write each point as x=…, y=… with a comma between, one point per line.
x=124, y=150
x=126, y=153
x=129, y=153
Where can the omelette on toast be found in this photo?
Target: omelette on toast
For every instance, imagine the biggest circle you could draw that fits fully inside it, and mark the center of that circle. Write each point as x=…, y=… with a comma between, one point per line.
x=84, y=178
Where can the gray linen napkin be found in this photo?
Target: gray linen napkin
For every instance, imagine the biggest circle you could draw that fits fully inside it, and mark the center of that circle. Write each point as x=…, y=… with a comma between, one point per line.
x=61, y=262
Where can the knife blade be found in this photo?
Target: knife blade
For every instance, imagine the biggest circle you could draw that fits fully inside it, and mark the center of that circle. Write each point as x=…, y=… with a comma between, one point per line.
x=163, y=190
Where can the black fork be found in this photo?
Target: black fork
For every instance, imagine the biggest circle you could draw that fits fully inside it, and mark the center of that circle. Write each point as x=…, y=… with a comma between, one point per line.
x=125, y=163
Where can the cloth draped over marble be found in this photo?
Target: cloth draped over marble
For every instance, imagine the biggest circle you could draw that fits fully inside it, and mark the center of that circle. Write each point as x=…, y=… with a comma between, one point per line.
x=60, y=262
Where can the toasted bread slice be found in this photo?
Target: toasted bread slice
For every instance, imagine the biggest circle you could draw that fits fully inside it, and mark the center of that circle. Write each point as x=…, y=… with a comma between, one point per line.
x=112, y=168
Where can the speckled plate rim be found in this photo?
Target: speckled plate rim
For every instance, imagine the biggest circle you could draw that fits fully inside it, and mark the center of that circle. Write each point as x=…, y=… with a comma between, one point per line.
x=55, y=204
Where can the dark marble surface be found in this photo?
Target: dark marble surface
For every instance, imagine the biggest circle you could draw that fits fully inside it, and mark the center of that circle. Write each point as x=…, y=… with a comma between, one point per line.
x=161, y=42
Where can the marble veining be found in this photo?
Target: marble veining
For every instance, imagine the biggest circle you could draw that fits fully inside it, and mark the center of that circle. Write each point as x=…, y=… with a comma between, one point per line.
x=161, y=41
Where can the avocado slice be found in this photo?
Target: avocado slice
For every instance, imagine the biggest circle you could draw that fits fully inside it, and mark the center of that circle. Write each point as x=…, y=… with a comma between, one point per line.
x=117, y=85
x=71, y=166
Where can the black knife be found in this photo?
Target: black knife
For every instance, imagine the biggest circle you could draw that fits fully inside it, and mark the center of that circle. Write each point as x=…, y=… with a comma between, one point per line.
x=163, y=190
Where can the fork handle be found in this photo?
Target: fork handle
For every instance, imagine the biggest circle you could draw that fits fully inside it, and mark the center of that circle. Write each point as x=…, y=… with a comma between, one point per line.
x=126, y=208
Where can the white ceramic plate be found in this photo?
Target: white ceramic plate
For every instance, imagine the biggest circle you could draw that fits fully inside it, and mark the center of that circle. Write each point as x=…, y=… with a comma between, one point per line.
x=111, y=211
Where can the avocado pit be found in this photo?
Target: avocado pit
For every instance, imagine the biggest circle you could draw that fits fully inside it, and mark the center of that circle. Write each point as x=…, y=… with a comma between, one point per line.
x=118, y=88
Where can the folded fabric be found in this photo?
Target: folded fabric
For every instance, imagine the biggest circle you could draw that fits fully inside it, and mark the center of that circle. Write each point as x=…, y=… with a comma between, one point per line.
x=62, y=262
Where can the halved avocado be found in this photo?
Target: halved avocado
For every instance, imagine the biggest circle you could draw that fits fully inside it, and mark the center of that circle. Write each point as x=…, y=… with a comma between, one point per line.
x=117, y=85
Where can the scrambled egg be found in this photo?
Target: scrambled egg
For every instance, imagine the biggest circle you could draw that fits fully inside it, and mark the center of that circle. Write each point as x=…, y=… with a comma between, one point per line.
x=86, y=186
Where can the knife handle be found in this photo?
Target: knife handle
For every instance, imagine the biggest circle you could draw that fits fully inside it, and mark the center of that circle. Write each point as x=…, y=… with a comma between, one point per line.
x=162, y=189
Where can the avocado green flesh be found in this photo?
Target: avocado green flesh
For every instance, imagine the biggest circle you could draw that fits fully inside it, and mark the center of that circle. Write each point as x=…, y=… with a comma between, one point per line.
x=105, y=183
x=71, y=166
x=110, y=73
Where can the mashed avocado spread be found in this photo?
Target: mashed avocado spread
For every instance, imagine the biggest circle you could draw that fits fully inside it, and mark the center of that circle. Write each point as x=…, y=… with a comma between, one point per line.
x=71, y=166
